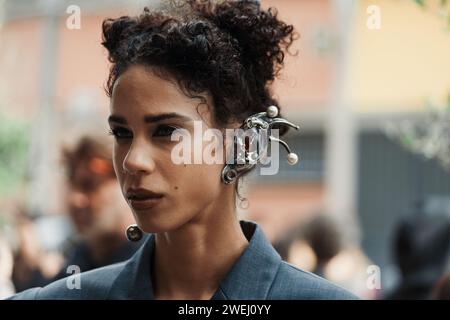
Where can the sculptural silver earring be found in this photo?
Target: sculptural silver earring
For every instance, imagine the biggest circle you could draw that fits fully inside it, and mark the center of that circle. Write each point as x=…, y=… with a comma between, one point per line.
x=134, y=233
x=260, y=126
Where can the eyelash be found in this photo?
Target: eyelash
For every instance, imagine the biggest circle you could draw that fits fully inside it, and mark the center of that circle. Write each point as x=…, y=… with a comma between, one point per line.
x=116, y=133
x=172, y=129
x=119, y=132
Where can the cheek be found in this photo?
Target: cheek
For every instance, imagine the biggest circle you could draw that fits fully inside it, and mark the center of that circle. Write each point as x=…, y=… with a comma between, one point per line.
x=118, y=158
x=196, y=182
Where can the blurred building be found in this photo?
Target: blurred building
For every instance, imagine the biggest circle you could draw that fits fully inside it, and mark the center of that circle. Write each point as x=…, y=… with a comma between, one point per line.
x=345, y=84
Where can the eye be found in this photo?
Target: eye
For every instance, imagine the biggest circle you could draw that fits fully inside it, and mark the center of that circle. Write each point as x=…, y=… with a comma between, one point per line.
x=121, y=133
x=164, y=131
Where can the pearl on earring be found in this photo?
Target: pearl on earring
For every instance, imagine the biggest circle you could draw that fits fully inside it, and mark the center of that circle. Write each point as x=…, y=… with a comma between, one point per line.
x=272, y=111
x=292, y=158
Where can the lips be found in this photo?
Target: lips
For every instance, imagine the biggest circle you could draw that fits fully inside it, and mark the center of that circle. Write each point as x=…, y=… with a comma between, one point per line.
x=141, y=199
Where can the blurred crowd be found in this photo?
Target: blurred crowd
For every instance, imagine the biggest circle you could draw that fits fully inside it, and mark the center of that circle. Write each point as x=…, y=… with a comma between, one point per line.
x=96, y=212
x=98, y=217
x=420, y=250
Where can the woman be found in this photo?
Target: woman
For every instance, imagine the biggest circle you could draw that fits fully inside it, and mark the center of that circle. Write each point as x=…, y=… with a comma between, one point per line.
x=196, y=62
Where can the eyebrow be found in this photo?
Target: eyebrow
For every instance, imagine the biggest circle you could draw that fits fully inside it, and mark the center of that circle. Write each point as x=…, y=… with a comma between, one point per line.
x=150, y=118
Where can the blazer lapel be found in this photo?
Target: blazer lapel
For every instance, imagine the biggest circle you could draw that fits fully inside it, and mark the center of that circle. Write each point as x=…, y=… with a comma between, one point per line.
x=134, y=281
x=253, y=274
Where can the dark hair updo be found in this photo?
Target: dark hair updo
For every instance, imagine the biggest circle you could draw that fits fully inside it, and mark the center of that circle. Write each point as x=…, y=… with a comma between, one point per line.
x=232, y=50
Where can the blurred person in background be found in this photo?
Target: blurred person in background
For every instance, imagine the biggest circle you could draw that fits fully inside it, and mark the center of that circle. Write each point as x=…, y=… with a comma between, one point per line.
x=312, y=244
x=441, y=290
x=6, y=268
x=317, y=246
x=323, y=236
x=421, y=248
x=33, y=266
x=95, y=206
x=98, y=214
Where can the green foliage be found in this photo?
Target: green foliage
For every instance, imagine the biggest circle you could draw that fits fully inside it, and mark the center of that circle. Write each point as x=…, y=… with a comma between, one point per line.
x=14, y=143
x=420, y=2
x=443, y=11
x=428, y=136
x=448, y=103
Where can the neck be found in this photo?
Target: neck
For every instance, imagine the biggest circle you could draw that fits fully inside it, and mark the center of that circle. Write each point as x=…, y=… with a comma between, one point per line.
x=191, y=261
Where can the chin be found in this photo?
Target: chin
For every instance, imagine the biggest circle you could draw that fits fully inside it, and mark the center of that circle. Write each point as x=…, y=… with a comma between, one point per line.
x=150, y=222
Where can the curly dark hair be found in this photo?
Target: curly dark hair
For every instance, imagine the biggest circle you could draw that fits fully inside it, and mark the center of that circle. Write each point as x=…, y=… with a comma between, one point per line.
x=232, y=50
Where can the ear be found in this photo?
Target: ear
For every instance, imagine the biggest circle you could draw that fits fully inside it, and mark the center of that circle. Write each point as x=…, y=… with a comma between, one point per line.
x=228, y=144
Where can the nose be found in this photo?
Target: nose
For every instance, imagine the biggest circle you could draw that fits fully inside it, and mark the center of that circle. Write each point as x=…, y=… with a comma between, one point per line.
x=139, y=159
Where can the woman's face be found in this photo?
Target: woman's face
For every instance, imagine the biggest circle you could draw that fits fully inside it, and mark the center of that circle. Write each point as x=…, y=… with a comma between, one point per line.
x=145, y=110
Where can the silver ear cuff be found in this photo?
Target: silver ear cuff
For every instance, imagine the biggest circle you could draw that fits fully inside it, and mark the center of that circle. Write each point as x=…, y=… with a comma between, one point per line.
x=134, y=233
x=260, y=125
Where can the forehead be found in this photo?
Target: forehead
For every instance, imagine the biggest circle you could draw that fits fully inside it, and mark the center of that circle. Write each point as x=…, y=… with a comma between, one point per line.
x=139, y=90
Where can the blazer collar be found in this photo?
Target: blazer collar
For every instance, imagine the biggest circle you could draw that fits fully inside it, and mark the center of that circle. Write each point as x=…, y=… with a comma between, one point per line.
x=250, y=277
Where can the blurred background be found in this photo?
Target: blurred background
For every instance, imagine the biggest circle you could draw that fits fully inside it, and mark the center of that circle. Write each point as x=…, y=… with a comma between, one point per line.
x=368, y=205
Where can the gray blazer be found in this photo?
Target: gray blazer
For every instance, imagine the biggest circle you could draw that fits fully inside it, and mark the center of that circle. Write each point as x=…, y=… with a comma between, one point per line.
x=259, y=273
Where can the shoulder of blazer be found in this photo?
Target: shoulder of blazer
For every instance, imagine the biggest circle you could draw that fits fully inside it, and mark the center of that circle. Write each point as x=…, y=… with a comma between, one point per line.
x=295, y=284
x=94, y=284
